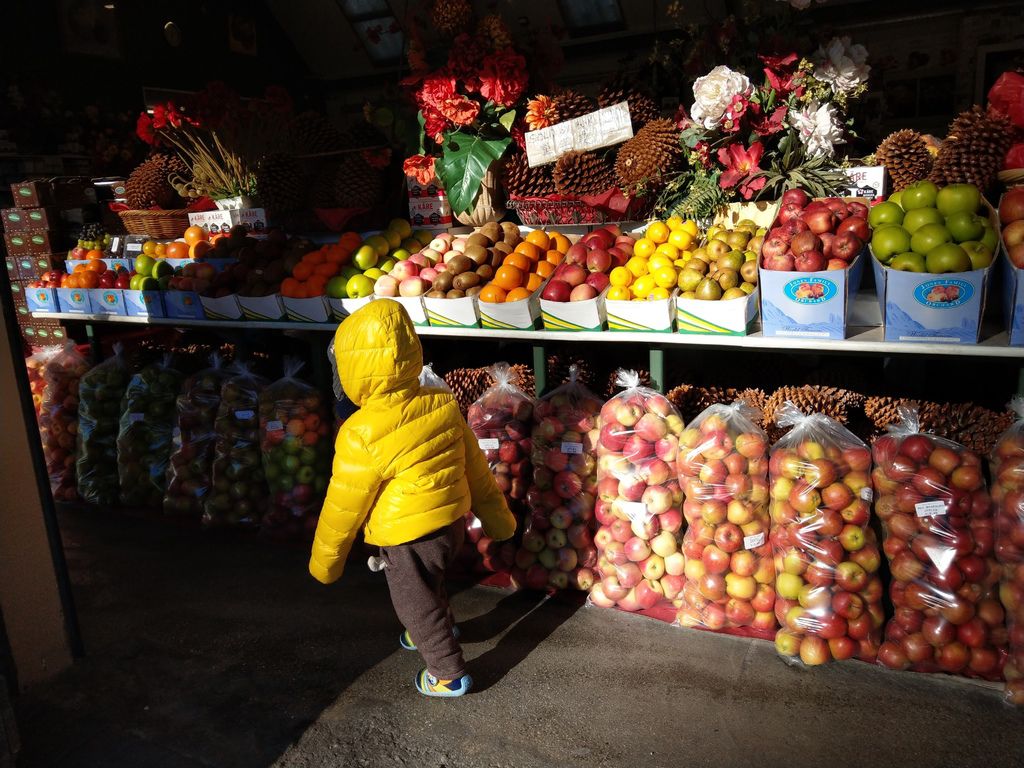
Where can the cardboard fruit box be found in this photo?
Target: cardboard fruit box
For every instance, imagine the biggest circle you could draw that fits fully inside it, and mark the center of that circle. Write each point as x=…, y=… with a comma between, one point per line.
x=144, y=303
x=1013, y=295
x=342, y=308
x=183, y=305
x=74, y=300
x=511, y=315
x=22, y=219
x=313, y=310
x=108, y=301
x=633, y=316
x=223, y=308
x=41, y=299
x=262, y=307
x=452, y=313
x=31, y=243
x=588, y=315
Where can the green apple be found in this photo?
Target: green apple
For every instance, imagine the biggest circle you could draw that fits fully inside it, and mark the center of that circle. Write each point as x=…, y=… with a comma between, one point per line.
x=958, y=197
x=335, y=288
x=885, y=213
x=165, y=282
x=947, y=257
x=929, y=237
x=889, y=240
x=394, y=238
x=399, y=254
x=136, y=279
x=897, y=197
x=161, y=269
x=908, y=262
x=387, y=265
x=149, y=284
x=144, y=264
x=367, y=255
x=918, y=217
x=411, y=244
x=424, y=236
x=379, y=243
x=401, y=226
x=964, y=226
x=990, y=238
x=979, y=254
x=921, y=194
x=374, y=272
x=349, y=271
x=359, y=286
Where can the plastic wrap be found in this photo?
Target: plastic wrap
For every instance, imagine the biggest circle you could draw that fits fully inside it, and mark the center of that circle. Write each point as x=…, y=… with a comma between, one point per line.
x=430, y=380
x=937, y=519
x=144, y=434
x=240, y=491
x=501, y=418
x=640, y=499
x=1008, y=494
x=557, y=548
x=189, y=470
x=58, y=418
x=99, y=413
x=828, y=590
x=729, y=571
x=295, y=439
x=35, y=367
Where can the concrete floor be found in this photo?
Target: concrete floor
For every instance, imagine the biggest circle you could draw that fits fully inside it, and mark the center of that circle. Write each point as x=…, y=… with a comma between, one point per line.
x=218, y=650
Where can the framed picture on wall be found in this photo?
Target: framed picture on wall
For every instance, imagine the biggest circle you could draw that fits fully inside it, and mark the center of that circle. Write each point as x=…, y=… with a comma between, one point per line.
x=89, y=27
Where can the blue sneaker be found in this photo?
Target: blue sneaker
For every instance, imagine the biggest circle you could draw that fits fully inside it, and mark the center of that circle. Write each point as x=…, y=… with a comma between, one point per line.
x=429, y=685
x=405, y=640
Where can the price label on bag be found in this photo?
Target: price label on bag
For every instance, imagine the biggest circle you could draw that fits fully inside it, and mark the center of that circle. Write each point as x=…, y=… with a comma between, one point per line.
x=242, y=415
x=576, y=448
x=867, y=494
x=635, y=511
x=753, y=541
x=489, y=444
x=275, y=426
x=134, y=417
x=930, y=508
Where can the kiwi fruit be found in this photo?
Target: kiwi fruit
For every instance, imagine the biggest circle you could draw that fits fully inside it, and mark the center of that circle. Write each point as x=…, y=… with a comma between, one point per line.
x=511, y=233
x=455, y=293
x=474, y=290
x=503, y=248
x=466, y=280
x=443, y=281
x=477, y=254
x=485, y=271
x=459, y=264
x=478, y=238
x=492, y=231
x=435, y=294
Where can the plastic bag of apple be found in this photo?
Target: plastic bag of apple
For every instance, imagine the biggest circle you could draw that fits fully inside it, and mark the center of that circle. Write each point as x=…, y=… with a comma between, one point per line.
x=937, y=519
x=189, y=468
x=501, y=419
x=828, y=590
x=239, y=494
x=99, y=411
x=640, y=499
x=557, y=549
x=1007, y=463
x=729, y=572
x=295, y=438
x=35, y=366
x=58, y=417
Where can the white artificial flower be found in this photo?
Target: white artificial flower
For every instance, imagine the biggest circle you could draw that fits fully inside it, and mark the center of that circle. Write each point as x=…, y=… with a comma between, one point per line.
x=842, y=65
x=818, y=127
x=713, y=93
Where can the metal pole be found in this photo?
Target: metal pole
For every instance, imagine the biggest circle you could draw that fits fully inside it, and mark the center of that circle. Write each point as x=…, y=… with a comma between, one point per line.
x=540, y=369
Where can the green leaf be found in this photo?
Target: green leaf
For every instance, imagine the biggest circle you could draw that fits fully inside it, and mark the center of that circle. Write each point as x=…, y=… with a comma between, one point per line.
x=462, y=166
x=508, y=119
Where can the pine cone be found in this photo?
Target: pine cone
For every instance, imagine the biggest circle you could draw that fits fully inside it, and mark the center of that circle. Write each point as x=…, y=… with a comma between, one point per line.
x=974, y=150
x=467, y=384
x=642, y=108
x=493, y=28
x=311, y=133
x=654, y=152
x=971, y=425
x=279, y=183
x=541, y=112
x=523, y=181
x=356, y=184
x=525, y=381
x=613, y=389
x=582, y=173
x=690, y=399
x=883, y=411
x=149, y=185
x=905, y=156
x=833, y=402
x=570, y=104
x=558, y=370
x=451, y=16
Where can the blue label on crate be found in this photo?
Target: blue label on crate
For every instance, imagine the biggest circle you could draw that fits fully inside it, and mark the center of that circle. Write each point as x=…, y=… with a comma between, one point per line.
x=810, y=290
x=943, y=294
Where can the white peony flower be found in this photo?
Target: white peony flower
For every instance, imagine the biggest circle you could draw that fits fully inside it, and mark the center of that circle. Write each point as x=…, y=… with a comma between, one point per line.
x=818, y=127
x=842, y=65
x=713, y=93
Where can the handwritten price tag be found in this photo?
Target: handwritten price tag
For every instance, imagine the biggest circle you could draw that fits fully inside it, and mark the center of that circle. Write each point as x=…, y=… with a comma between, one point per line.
x=489, y=444
x=576, y=448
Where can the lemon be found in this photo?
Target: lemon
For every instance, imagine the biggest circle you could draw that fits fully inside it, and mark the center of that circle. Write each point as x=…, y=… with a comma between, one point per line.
x=644, y=285
x=690, y=226
x=657, y=261
x=674, y=222
x=637, y=265
x=665, y=249
x=620, y=277
x=644, y=247
x=657, y=231
x=665, y=277
x=618, y=293
x=680, y=262
x=681, y=239
x=658, y=293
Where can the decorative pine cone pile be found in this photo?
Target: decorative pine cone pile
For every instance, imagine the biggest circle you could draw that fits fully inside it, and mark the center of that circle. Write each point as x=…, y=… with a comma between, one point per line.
x=493, y=29
x=570, y=104
x=582, y=173
x=467, y=384
x=558, y=370
x=834, y=402
x=642, y=108
x=690, y=399
x=613, y=389
x=149, y=185
x=905, y=156
x=523, y=181
x=971, y=425
x=310, y=133
x=356, y=184
x=974, y=150
x=451, y=16
x=653, y=152
x=280, y=183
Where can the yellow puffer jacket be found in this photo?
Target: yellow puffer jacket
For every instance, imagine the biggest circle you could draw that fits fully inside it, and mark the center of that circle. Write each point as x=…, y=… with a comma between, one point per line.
x=406, y=464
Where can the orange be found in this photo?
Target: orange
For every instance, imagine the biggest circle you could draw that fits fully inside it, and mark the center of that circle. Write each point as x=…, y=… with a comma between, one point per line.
x=176, y=250
x=315, y=286
x=507, y=278
x=336, y=256
x=80, y=268
x=351, y=240
x=315, y=257
x=89, y=279
x=160, y=251
x=71, y=282
x=545, y=268
x=299, y=292
x=519, y=261
x=288, y=286
x=539, y=238
x=531, y=251
x=326, y=269
x=302, y=271
x=555, y=257
x=517, y=294
x=94, y=254
x=533, y=283
x=200, y=248
x=559, y=242
x=194, y=235
x=96, y=264
x=491, y=294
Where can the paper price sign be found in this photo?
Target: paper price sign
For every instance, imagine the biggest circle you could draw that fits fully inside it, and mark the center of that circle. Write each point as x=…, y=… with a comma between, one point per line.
x=489, y=444
x=611, y=125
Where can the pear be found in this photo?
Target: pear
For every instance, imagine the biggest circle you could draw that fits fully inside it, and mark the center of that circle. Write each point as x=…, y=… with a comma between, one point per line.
x=708, y=290
x=689, y=279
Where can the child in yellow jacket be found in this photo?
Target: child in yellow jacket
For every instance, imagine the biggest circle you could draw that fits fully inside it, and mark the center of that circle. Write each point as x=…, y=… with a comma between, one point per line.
x=407, y=469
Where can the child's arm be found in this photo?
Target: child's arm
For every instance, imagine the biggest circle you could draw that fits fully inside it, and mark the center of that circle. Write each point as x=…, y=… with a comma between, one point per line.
x=350, y=496
x=488, y=501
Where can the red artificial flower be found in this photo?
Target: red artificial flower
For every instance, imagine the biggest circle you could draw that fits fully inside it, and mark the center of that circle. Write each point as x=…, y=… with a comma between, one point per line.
x=518, y=133
x=768, y=125
x=778, y=62
x=702, y=150
x=741, y=166
x=682, y=118
x=503, y=77
x=437, y=88
x=144, y=129
x=734, y=113
x=465, y=60
x=420, y=167
x=460, y=109
x=781, y=74
x=434, y=123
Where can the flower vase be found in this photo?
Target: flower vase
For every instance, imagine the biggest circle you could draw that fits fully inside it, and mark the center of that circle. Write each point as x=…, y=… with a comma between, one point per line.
x=490, y=202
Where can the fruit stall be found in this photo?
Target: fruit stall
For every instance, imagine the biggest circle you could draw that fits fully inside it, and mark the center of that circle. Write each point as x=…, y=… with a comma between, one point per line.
x=727, y=374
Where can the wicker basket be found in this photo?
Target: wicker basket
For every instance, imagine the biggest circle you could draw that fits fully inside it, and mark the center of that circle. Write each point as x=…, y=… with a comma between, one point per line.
x=155, y=223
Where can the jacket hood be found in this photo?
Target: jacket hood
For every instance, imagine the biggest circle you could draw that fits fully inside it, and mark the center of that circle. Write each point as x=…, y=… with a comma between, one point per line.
x=378, y=353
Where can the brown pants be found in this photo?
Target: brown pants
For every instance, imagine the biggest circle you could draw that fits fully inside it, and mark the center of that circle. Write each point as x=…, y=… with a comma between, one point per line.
x=415, y=573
